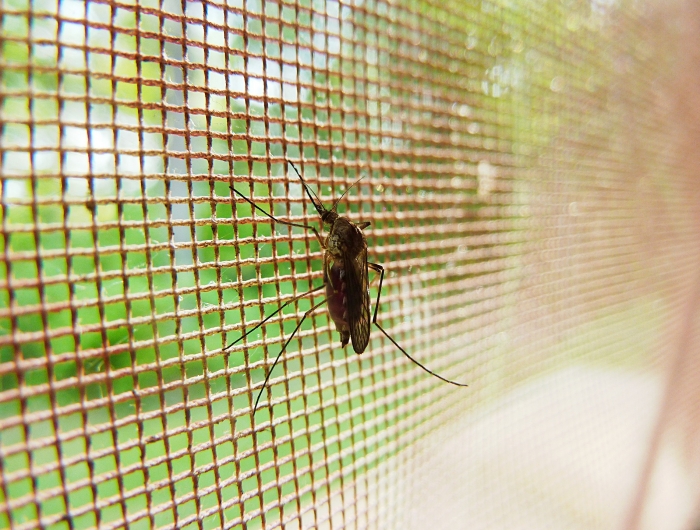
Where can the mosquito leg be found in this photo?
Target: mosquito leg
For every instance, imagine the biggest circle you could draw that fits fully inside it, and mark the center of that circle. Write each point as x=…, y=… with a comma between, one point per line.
x=268, y=317
x=269, y=373
x=378, y=268
x=307, y=227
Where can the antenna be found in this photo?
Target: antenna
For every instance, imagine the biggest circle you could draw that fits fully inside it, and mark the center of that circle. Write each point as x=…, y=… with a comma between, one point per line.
x=317, y=202
x=335, y=204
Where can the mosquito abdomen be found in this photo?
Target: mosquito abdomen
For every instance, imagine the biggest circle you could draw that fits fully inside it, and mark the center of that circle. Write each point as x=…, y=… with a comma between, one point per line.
x=337, y=300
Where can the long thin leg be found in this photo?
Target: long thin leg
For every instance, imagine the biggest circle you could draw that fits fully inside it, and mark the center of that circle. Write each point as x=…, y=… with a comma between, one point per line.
x=268, y=317
x=308, y=227
x=269, y=373
x=378, y=268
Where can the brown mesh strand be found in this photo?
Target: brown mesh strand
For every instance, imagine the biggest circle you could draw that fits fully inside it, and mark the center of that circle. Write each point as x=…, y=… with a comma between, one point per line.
x=531, y=178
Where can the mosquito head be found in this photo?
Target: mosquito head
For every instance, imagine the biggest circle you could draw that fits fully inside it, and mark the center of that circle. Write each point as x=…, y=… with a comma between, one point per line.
x=329, y=216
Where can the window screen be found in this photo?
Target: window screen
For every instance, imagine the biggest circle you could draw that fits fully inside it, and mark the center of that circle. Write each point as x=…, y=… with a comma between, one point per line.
x=529, y=170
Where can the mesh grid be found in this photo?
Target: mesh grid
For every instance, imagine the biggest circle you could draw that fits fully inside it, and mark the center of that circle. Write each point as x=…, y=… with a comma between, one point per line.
x=530, y=174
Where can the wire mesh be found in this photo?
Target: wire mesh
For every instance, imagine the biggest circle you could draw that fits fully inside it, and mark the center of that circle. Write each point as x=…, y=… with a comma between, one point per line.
x=530, y=174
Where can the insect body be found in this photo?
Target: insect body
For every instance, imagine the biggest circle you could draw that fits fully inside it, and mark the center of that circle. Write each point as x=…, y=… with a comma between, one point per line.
x=345, y=278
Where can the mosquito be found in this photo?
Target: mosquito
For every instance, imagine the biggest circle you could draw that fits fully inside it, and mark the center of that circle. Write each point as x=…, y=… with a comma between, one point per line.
x=345, y=273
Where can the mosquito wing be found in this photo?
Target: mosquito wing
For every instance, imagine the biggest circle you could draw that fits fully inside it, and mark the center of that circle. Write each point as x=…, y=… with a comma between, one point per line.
x=357, y=295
